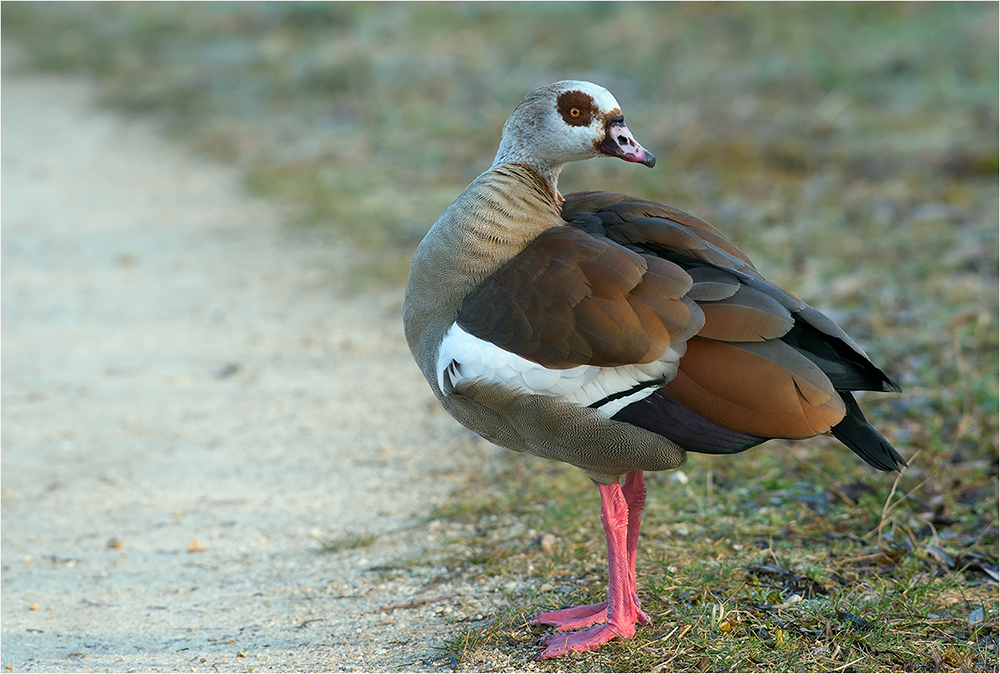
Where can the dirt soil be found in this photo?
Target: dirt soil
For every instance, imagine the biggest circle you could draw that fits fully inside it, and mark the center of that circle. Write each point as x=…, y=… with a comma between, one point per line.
x=195, y=398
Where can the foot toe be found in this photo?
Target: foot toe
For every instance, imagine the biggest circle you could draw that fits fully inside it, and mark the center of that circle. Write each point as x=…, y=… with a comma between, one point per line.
x=573, y=617
x=584, y=640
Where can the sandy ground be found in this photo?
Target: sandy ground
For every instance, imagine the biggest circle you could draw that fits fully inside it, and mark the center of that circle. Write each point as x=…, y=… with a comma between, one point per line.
x=192, y=401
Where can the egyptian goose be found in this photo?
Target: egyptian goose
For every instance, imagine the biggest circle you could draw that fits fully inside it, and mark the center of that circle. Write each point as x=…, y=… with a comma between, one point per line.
x=615, y=334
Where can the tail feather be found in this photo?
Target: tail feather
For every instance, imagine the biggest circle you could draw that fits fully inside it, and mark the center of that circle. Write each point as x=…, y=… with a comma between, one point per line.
x=855, y=432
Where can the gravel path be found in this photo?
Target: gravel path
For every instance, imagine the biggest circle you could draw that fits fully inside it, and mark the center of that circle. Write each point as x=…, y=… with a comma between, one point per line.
x=192, y=402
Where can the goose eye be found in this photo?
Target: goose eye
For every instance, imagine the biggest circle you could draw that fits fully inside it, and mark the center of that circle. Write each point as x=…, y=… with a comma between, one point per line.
x=574, y=112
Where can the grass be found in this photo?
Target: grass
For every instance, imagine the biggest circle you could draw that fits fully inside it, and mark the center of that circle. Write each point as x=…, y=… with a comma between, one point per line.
x=850, y=149
x=347, y=541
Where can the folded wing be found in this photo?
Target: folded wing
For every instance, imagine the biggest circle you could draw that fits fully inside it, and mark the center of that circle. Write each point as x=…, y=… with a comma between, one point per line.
x=764, y=364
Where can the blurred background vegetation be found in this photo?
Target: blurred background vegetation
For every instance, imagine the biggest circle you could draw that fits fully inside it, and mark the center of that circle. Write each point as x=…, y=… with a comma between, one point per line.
x=851, y=149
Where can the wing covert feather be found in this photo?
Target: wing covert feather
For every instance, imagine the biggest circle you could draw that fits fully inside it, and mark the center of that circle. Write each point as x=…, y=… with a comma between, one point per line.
x=711, y=284
x=748, y=315
x=572, y=299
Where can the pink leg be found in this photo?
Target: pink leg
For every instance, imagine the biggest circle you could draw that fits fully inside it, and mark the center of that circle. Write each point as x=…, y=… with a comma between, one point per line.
x=576, y=617
x=634, y=490
x=621, y=611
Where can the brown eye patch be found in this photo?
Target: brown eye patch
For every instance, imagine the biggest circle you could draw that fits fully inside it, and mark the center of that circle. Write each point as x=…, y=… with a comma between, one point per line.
x=576, y=108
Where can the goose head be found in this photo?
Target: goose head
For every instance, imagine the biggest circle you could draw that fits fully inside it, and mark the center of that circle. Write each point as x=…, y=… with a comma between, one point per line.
x=568, y=121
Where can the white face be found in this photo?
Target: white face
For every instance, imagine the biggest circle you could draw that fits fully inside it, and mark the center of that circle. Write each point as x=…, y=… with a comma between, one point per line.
x=572, y=124
x=568, y=121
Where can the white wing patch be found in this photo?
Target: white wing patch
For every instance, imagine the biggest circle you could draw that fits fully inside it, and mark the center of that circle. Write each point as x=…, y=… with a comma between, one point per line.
x=463, y=356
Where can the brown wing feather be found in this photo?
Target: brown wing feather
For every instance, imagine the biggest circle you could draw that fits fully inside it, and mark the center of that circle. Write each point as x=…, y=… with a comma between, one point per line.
x=748, y=315
x=777, y=395
x=572, y=299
